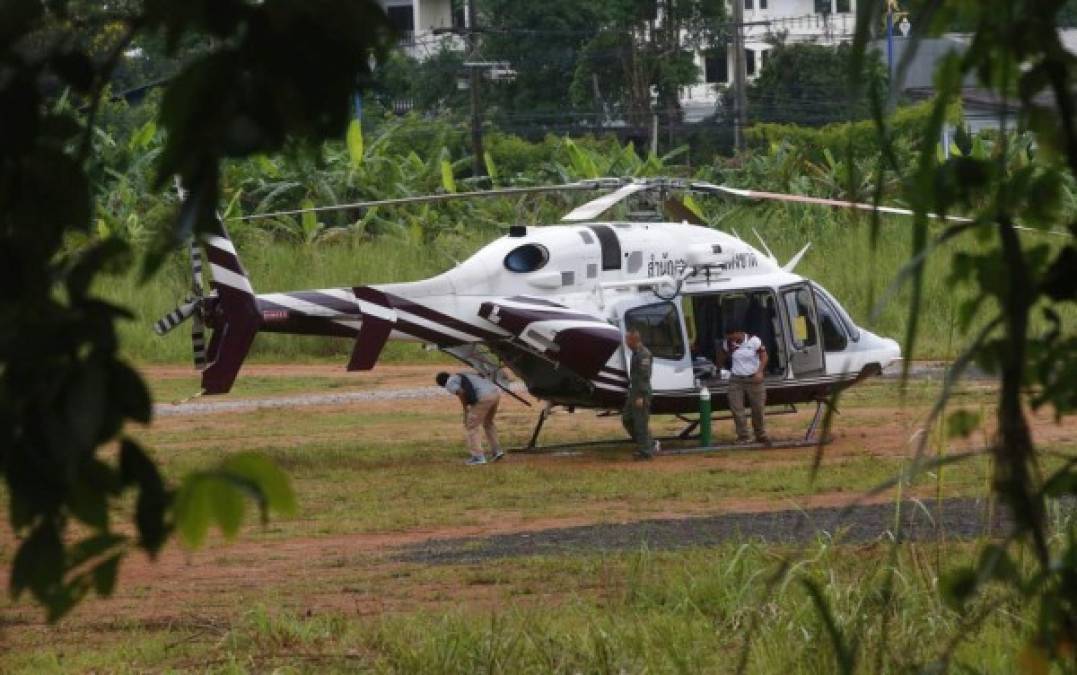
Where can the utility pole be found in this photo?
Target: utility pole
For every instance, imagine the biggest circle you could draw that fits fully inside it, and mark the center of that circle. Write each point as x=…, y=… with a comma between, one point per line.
x=740, y=75
x=478, y=165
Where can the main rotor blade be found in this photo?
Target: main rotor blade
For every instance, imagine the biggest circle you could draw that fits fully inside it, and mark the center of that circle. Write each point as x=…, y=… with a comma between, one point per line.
x=597, y=207
x=819, y=201
x=837, y=203
x=596, y=184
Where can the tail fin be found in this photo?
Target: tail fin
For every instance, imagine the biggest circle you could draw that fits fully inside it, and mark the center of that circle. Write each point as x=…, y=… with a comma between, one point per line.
x=235, y=316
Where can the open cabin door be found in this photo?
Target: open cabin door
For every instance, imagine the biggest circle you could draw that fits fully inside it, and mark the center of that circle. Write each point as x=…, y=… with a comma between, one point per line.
x=661, y=325
x=802, y=329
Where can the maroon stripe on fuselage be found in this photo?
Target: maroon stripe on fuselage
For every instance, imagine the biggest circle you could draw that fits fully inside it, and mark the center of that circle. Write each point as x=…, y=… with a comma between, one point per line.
x=412, y=307
x=614, y=371
x=584, y=350
x=610, y=381
x=327, y=301
x=309, y=325
x=517, y=319
x=371, y=295
x=426, y=334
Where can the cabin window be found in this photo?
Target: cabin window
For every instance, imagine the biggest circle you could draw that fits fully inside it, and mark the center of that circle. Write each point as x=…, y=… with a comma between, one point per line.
x=611, y=246
x=834, y=337
x=527, y=258
x=659, y=327
x=798, y=306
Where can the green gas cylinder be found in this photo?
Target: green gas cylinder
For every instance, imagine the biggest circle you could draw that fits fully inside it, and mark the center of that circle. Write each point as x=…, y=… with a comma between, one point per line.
x=704, y=416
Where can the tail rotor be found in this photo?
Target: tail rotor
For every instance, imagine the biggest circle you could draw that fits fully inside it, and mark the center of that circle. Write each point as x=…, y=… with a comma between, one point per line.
x=198, y=323
x=194, y=308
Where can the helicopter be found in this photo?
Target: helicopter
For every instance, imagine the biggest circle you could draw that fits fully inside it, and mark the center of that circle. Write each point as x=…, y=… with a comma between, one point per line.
x=552, y=304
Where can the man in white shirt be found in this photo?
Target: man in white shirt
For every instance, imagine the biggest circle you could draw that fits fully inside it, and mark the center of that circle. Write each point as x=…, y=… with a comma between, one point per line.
x=479, y=398
x=748, y=365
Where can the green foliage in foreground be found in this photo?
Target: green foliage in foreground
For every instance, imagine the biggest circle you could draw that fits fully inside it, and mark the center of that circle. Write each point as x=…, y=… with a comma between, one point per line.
x=64, y=392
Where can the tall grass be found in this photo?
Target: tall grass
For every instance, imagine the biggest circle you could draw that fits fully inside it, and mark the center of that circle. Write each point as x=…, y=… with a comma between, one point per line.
x=685, y=612
x=841, y=258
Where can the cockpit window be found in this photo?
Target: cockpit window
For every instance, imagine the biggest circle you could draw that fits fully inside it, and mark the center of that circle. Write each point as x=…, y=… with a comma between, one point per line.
x=527, y=258
x=850, y=327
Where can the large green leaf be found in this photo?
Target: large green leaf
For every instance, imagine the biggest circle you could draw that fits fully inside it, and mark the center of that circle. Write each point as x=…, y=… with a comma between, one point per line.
x=272, y=483
x=448, y=182
x=355, y=143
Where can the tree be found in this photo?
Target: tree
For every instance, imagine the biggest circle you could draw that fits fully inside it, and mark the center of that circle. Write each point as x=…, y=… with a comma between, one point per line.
x=64, y=392
x=429, y=85
x=811, y=84
x=1016, y=52
x=645, y=45
x=542, y=42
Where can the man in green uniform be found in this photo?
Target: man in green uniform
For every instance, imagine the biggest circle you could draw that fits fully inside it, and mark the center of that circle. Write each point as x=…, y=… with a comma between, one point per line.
x=637, y=411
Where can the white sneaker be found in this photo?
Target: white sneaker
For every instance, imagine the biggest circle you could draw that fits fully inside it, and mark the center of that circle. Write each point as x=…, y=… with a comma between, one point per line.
x=476, y=460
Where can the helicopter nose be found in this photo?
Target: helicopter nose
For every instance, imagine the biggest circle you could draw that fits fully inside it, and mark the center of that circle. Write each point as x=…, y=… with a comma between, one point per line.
x=892, y=349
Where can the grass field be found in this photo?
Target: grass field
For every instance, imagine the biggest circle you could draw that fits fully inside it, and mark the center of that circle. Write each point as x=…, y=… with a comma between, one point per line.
x=328, y=589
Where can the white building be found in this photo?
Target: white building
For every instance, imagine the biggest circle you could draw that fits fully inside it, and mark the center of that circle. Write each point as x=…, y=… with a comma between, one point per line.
x=424, y=25
x=827, y=22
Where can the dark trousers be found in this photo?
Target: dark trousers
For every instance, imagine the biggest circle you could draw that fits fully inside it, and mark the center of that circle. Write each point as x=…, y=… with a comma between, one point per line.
x=636, y=420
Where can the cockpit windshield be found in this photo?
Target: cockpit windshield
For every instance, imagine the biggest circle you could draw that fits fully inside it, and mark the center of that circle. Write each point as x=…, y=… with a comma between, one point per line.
x=830, y=303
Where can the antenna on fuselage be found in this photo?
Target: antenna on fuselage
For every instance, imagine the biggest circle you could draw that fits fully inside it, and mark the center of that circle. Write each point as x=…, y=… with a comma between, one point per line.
x=764, y=245
x=791, y=265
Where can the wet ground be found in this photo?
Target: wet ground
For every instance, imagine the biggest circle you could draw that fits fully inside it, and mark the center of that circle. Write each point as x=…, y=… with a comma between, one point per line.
x=914, y=521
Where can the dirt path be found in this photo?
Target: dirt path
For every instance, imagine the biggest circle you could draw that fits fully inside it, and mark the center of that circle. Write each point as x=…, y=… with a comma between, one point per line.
x=386, y=383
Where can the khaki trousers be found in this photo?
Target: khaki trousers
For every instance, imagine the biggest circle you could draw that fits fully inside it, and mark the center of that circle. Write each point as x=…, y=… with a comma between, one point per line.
x=479, y=419
x=757, y=398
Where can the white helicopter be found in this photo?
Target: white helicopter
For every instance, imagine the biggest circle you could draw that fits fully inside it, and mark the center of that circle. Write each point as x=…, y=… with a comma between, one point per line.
x=552, y=304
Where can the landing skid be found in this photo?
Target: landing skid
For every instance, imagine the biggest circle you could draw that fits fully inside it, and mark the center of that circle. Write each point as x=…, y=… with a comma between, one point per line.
x=810, y=438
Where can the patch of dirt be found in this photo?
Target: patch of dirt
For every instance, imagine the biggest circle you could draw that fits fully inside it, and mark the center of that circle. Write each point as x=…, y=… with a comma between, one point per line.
x=401, y=374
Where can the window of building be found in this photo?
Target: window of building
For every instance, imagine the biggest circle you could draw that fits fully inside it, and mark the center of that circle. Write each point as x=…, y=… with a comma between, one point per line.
x=823, y=6
x=762, y=4
x=659, y=328
x=749, y=62
x=763, y=59
x=843, y=6
x=402, y=18
x=458, y=14
x=749, y=5
x=716, y=67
